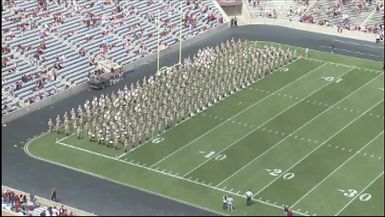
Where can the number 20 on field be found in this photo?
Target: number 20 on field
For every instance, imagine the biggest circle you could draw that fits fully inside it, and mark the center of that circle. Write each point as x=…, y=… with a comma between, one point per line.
x=277, y=172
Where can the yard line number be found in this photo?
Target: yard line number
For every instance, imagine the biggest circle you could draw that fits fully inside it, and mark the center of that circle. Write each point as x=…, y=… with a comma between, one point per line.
x=353, y=192
x=157, y=140
x=212, y=153
x=337, y=80
x=277, y=172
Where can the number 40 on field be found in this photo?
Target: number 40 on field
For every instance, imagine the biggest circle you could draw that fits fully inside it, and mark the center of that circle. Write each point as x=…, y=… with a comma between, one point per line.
x=337, y=80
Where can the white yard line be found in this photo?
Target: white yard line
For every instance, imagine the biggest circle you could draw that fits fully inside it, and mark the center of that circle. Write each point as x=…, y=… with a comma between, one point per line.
x=347, y=110
x=137, y=147
x=345, y=162
x=229, y=119
x=250, y=132
x=163, y=172
x=290, y=134
x=187, y=119
x=336, y=133
x=382, y=173
x=64, y=138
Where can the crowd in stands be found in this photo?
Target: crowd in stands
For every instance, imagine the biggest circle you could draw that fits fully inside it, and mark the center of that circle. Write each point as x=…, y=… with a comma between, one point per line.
x=49, y=45
x=359, y=15
x=28, y=205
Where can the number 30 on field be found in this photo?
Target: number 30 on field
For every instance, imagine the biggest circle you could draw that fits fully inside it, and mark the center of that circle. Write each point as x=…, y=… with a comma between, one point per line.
x=352, y=192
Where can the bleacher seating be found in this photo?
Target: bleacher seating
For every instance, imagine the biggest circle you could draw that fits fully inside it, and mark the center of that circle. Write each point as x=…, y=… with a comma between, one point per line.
x=123, y=32
x=360, y=15
x=18, y=203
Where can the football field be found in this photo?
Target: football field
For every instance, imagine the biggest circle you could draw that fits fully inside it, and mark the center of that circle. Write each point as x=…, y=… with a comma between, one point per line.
x=309, y=136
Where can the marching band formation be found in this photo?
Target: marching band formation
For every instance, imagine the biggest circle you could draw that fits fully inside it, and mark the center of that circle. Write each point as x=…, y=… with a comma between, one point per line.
x=136, y=114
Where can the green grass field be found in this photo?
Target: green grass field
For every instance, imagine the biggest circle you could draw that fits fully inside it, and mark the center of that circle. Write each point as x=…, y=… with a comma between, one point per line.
x=310, y=136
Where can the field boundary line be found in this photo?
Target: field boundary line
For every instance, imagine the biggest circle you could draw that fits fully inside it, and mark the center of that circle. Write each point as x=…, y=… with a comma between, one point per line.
x=115, y=181
x=163, y=172
x=305, y=124
x=358, y=44
x=343, y=65
x=240, y=112
x=350, y=51
x=301, y=48
x=335, y=170
x=259, y=126
x=319, y=146
x=355, y=197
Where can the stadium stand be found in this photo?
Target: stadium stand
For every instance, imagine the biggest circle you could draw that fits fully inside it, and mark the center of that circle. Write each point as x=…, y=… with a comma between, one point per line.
x=51, y=45
x=361, y=15
x=18, y=203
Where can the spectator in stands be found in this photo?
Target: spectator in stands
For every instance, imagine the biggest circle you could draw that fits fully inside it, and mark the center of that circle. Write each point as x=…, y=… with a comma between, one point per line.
x=82, y=52
x=58, y=64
